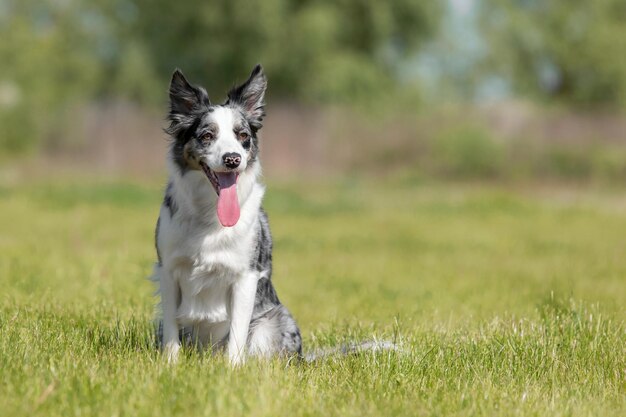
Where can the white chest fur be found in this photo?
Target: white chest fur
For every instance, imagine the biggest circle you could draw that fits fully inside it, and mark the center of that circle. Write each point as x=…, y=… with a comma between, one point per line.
x=206, y=273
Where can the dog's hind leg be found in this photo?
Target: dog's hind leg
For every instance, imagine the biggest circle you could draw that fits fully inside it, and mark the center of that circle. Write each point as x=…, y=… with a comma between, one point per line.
x=274, y=332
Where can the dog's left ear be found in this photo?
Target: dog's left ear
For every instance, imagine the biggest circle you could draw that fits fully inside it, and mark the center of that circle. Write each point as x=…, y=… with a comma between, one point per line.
x=250, y=96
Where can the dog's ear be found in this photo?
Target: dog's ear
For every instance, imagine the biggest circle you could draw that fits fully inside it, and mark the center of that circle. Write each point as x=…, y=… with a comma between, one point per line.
x=184, y=97
x=250, y=96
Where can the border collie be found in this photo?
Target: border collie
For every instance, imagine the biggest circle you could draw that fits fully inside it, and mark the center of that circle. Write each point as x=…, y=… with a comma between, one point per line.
x=213, y=240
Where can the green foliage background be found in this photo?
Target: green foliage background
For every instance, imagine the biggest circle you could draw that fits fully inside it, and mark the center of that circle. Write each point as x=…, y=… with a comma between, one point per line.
x=58, y=54
x=58, y=57
x=568, y=50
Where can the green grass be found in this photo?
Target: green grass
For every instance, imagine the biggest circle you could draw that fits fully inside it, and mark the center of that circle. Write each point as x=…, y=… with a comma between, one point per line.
x=504, y=303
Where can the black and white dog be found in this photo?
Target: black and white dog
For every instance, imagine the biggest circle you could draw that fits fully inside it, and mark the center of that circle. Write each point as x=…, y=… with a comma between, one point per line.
x=213, y=239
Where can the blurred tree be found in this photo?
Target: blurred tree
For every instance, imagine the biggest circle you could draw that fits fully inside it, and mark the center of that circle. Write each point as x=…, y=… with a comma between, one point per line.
x=58, y=54
x=45, y=62
x=339, y=50
x=570, y=50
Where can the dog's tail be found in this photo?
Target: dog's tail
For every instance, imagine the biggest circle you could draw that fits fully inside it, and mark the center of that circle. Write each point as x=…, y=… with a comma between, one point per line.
x=352, y=348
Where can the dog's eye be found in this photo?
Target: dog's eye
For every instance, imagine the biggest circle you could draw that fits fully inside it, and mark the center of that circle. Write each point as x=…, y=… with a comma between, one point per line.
x=207, y=136
x=243, y=136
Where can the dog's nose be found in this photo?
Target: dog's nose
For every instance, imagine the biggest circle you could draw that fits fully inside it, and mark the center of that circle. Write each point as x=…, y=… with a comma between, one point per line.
x=231, y=159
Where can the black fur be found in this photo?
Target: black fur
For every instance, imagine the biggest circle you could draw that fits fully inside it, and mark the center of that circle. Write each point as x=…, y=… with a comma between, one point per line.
x=156, y=242
x=169, y=201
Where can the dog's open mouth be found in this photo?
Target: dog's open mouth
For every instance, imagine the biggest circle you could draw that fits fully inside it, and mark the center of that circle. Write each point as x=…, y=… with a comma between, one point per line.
x=225, y=185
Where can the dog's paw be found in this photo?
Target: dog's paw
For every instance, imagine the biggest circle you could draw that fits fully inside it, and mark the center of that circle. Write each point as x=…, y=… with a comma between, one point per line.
x=236, y=357
x=236, y=361
x=171, y=352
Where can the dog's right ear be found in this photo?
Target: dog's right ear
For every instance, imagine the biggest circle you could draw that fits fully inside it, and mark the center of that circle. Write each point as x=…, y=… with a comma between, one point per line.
x=184, y=97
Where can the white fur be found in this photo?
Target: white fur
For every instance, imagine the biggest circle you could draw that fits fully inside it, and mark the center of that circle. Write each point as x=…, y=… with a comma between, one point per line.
x=241, y=305
x=263, y=339
x=205, y=277
x=226, y=140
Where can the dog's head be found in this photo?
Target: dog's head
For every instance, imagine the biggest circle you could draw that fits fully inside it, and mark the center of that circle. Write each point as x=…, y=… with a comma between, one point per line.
x=219, y=140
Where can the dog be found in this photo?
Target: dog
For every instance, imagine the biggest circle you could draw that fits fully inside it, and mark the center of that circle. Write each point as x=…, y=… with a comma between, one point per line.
x=213, y=241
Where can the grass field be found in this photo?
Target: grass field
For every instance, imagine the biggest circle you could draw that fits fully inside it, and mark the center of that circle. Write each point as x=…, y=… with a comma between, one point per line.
x=504, y=302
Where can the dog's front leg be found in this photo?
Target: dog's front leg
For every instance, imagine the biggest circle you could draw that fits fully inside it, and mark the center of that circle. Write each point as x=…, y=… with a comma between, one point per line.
x=170, y=296
x=241, y=304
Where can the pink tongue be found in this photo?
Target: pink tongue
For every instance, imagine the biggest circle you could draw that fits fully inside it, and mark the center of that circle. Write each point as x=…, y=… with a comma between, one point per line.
x=227, y=202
